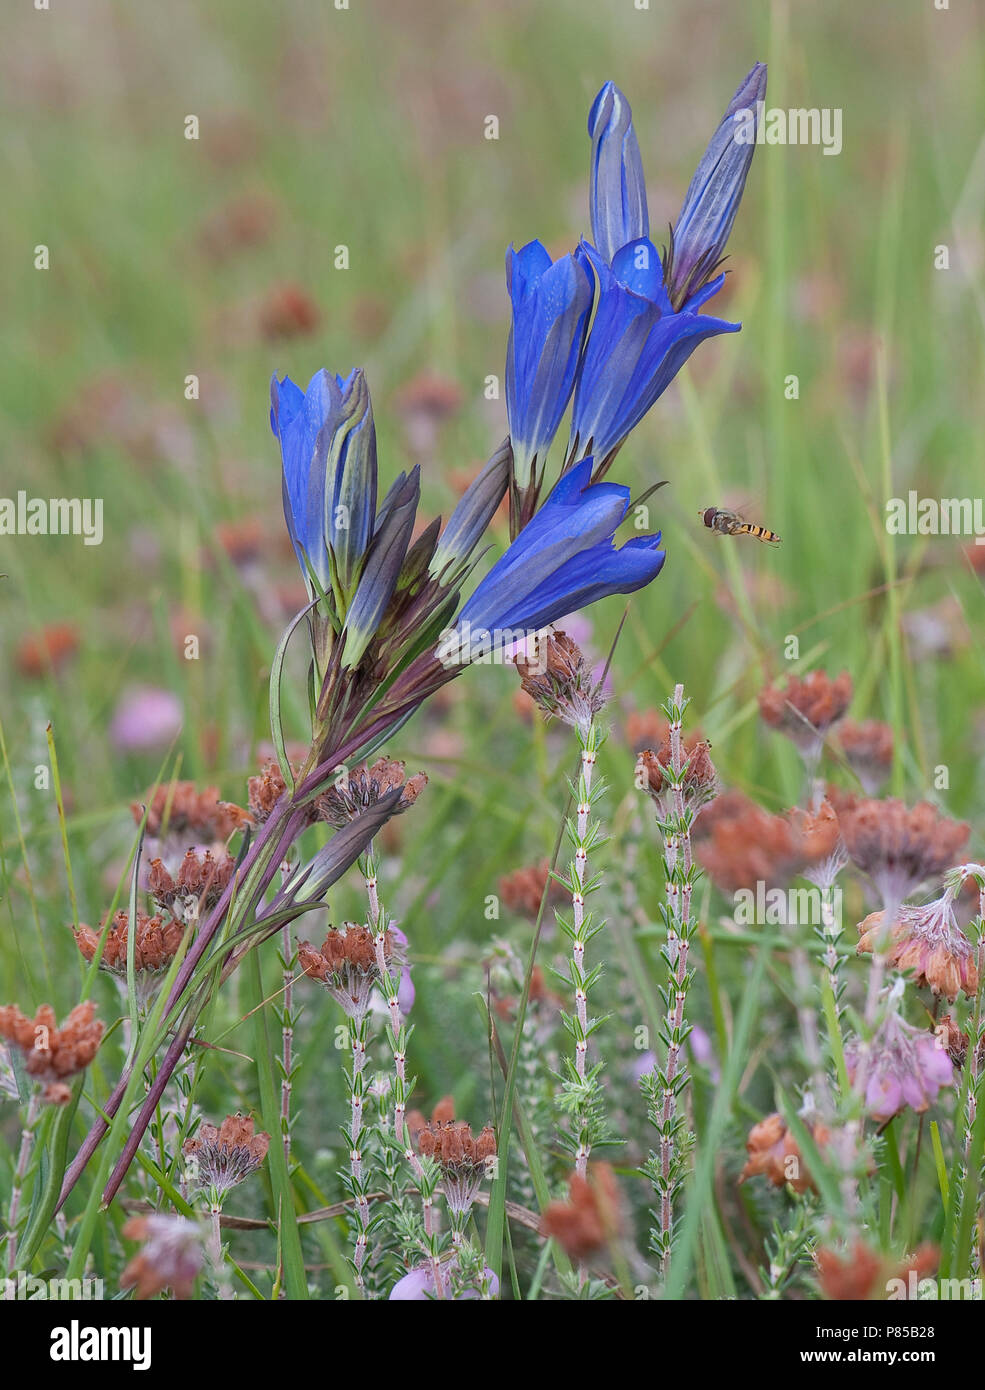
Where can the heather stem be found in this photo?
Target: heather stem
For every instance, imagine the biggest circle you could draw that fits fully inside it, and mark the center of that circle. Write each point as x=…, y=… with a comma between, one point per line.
x=23, y=1156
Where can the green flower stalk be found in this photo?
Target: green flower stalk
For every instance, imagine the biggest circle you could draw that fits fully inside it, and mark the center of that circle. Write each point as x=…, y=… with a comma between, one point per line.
x=680, y=784
x=555, y=674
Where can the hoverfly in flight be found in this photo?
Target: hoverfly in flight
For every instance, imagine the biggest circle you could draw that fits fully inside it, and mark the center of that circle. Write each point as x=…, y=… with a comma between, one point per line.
x=728, y=523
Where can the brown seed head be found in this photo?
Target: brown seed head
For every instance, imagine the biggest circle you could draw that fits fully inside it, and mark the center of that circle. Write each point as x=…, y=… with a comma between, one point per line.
x=806, y=709
x=868, y=749
x=900, y=846
x=559, y=679
x=591, y=1217
x=773, y=1153
x=355, y=792
x=51, y=1053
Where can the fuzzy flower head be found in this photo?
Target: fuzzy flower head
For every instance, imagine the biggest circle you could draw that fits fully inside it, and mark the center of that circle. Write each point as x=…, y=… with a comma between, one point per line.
x=171, y=1257
x=747, y=845
x=823, y=850
x=902, y=1066
x=806, y=709
x=868, y=750
x=464, y=1160
x=900, y=847
x=928, y=942
x=347, y=965
x=52, y=1054
x=219, y=1159
x=773, y=1153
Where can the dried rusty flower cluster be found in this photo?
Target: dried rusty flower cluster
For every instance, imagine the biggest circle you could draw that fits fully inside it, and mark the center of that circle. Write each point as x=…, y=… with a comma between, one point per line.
x=868, y=750
x=591, y=1219
x=559, y=679
x=52, y=1054
x=899, y=847
x=750, y=847
x=773, y=1153
x=200, y=882
x=523, y=889
x=927, y=941
x=225, y=1156
x=464, y=1159
x=860, y=1274
x=156, y=943
x=822, y=848
x=179, y=809
x=700, y=783
x=264, y=791
x=354, y=792
x=171, y=1258
x=346, y=964
x=806, y=709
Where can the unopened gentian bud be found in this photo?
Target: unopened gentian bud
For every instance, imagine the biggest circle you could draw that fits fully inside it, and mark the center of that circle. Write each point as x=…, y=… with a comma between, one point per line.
x=712, y=200
x=618, y=192
x=469, y=520
x=382, y=566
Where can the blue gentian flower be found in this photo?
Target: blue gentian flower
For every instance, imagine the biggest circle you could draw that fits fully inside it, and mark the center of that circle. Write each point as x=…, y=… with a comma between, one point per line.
x=562, y=560
x=618, y=192
x=551, y=304
x=637, y=345
x=712, y=200
x=328, y=447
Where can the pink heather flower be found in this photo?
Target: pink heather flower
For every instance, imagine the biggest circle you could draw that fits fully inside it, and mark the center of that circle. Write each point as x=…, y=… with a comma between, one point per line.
x=145, y=720
x=418, y=1285
x=904, y=1066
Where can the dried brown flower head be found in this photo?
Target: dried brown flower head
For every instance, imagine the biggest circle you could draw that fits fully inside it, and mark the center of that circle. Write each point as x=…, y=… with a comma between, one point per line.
x=899, y=846
x=927, y=941
x=773, y=1153
x=179, y=809
x=806, y=709
x=591, y=1218
x=859, y=1274
x=700, y=782
x=51, y=1053
x=347, y=965
x=823, y=850
x=226, y=1156
x=523, y=889
x=287, y=311
x=156, y=945
x=354, y=792
x=557, y=676
x=646, y=728
x=464, y=1159
x=442, y=1114
x=202, y=878
x=750, y=847
x=171, y=1258
x=265, y=790
x=868, y=749
x=47, y=650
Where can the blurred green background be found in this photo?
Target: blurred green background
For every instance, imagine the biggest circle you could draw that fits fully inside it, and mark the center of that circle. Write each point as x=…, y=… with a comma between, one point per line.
x=364, y=127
